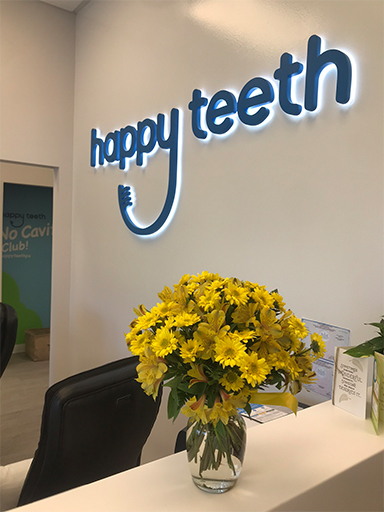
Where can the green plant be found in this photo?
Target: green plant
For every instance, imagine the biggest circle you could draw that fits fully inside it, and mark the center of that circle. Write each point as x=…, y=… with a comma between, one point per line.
x=369, y=347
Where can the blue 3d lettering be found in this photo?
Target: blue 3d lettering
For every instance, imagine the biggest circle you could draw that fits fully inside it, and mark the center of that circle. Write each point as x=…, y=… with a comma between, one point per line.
x=252, y=105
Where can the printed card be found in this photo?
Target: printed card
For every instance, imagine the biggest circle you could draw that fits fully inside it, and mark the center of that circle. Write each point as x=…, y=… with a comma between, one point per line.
x=350, y=382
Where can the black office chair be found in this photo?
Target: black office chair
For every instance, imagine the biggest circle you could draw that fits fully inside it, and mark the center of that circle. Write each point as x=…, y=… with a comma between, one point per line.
x=8, y=334
x=181, y=440
x=94, y=425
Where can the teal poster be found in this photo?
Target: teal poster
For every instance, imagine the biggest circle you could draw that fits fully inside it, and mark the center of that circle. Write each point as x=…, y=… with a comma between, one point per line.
x=27, y=254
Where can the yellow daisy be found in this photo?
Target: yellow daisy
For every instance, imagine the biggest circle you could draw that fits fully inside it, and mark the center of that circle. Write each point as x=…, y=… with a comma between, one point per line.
x=146, y=321
x=190, y=350
x=229, y=350
x=165, y=342
x=297, y=328
x=236, y=294
x=209, y=300
x=185, y=319
x=262, y=298
x=184, y=279
x=164, y=309
x=205, y=276
x=231, y=381
x=318, y=345
x=253, y=369
x=278, y=301
x=140, y=342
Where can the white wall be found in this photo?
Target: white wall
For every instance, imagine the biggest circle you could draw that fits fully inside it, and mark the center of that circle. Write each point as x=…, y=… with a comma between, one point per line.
x=297, y=205
x=36, y=127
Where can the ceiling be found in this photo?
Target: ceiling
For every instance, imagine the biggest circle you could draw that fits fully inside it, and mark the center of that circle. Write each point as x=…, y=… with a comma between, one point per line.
x=69, y=5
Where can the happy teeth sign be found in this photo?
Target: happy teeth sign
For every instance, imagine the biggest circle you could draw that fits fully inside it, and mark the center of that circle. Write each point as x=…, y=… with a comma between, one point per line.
x=217, y=115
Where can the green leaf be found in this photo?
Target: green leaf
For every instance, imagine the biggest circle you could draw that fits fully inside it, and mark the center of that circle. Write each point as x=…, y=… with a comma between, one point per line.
x=368, y=348
x=197, y=389
x=171, y=358
x=174, y=382
x=276, y=378
x=236, y=434
x=215, y=373
x=220, y=428
x=174, y=407
x=193, y=442
x=379, y=325
x=211, y=393
x=172, y=404
x=228, y=315
x=248, y=409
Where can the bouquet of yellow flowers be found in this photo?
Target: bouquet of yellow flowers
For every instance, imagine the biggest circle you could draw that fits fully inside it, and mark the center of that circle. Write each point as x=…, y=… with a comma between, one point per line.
x=216, y=342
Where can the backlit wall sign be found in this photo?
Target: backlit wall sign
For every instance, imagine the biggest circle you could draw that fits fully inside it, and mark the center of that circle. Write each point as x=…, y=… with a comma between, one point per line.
x=218, y=115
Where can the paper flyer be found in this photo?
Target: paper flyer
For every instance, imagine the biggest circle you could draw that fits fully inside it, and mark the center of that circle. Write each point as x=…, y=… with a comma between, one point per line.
x=263, y=413
x=333, y=337
x=350, y=382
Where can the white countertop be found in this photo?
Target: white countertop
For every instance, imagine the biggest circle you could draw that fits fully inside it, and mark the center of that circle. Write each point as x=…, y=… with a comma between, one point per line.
x=325, y=459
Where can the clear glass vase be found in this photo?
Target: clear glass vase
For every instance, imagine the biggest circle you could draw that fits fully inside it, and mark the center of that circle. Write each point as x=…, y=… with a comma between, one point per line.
x=216, y=453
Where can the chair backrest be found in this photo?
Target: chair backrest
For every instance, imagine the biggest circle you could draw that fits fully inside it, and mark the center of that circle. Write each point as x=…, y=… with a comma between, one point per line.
x=94, y=425
x=8, y=334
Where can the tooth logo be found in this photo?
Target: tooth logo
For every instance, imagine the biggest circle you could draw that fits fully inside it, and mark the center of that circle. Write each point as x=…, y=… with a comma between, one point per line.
x=126, y=203
x=143, y=140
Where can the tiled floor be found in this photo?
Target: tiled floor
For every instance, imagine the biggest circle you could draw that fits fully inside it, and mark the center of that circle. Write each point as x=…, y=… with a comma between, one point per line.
x=22, y=389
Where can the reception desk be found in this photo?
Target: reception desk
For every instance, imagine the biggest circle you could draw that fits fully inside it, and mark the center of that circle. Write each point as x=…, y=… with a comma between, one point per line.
x=324, y=459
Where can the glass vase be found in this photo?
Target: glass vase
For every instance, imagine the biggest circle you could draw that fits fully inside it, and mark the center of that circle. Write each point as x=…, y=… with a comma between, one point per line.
x=216, y=453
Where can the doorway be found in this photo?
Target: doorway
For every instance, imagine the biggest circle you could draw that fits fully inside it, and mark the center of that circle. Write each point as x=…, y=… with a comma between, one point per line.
x=26, y=206
x=24, y=381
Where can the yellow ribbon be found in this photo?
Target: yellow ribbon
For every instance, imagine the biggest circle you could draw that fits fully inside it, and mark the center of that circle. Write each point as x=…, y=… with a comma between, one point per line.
x=284, y=399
